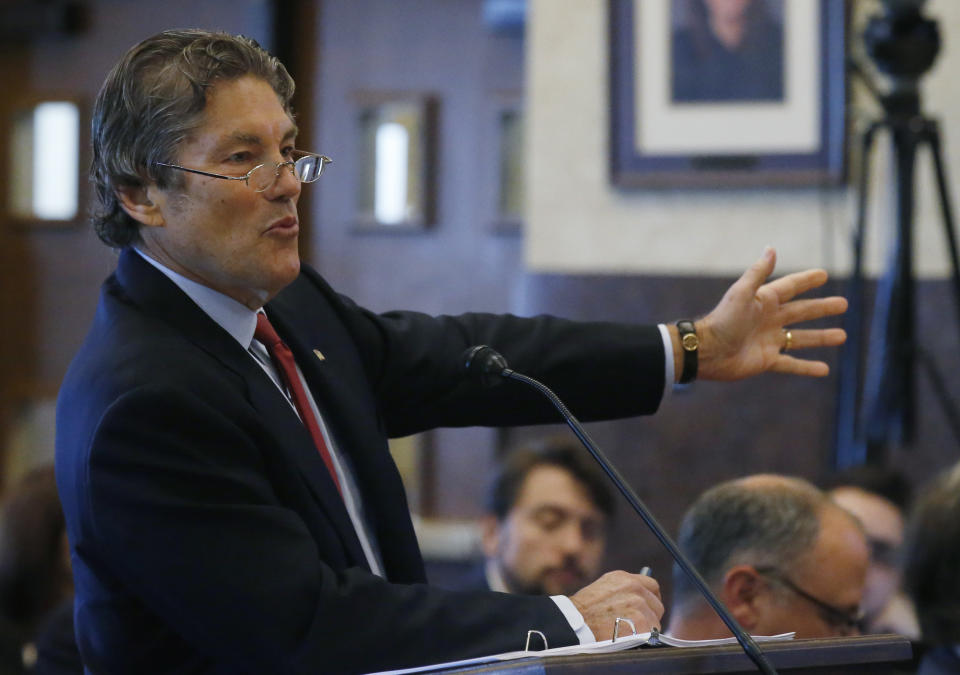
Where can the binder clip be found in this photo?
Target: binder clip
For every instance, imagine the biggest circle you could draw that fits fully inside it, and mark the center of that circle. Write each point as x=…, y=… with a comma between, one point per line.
x=616, y=628
x=542, y=637
x=654, y=639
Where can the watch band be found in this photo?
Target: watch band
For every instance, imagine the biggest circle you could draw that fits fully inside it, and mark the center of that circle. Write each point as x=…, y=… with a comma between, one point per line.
x=691, y=345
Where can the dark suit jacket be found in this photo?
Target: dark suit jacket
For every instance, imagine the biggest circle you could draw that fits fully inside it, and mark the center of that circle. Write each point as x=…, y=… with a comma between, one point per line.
x=11, y=648
x=939, y=660
x=56, y=645
x=206, y=533
x=474, y=578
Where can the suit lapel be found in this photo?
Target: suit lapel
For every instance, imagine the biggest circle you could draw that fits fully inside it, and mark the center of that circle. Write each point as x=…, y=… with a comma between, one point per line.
x=160, y=297
x=294, y=438
x=349, y=409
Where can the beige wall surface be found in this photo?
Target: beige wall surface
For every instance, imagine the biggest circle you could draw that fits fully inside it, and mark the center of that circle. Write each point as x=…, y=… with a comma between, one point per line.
x=577, y=222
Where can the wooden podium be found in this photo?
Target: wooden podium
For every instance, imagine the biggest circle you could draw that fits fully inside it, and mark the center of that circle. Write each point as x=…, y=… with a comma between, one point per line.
x=878, y=654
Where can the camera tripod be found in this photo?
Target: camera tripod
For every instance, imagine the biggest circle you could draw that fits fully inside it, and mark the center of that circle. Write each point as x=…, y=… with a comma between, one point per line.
x=880, y=409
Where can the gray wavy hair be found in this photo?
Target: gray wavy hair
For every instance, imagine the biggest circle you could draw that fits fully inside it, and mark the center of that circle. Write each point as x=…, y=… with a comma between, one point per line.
x=150, y=102
x=736, y=522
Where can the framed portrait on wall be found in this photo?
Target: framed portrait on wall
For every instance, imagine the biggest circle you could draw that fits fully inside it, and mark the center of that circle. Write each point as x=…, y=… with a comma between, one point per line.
x=727, y=92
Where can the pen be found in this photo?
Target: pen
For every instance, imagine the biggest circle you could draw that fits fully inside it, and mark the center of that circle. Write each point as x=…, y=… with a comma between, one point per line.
x=645, y=571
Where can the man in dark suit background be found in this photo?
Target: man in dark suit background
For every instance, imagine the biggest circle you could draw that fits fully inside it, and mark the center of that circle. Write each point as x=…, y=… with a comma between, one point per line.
x=931, y=560
x=231, y=511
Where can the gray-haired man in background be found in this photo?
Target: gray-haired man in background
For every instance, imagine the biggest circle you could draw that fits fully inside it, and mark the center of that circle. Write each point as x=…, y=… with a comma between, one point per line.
x=778, y=553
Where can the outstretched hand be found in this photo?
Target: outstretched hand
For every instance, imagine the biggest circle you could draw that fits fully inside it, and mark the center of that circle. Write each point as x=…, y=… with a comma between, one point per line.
x=745, y=334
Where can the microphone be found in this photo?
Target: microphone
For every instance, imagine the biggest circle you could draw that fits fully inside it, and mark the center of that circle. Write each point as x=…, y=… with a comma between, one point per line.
x=490, y=367
x=486, y=364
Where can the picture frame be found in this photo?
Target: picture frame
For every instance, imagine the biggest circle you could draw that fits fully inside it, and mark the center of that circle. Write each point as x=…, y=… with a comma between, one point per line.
x=673, y=125
x=396, y=134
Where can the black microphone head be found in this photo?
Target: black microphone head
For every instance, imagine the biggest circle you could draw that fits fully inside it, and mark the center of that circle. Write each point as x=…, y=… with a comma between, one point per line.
x=486, y=363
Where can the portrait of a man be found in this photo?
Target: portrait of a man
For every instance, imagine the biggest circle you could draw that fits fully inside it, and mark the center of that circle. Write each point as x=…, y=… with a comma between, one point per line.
x=727, y=51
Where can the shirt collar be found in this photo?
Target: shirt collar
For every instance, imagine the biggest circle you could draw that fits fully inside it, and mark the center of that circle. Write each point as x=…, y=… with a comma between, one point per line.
x=234, y=317
x=495, y=580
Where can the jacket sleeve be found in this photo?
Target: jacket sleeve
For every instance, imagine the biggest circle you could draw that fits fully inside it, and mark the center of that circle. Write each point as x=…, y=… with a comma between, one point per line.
x=414, y=364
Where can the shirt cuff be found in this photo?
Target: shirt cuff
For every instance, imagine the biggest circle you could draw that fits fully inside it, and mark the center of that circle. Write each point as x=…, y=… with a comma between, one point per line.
x=574, y=618
x=668, y=374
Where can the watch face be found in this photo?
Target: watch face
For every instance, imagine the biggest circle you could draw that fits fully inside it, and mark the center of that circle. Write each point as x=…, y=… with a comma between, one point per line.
x=690, y=341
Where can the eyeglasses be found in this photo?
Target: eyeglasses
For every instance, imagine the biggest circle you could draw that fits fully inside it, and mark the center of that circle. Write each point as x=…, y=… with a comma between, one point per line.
x=848, y=622
x=306, y=168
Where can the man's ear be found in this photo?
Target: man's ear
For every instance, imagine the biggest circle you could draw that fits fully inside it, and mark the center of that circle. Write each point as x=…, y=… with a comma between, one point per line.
x=137, y=203
x=742, y=586
x=490, y=535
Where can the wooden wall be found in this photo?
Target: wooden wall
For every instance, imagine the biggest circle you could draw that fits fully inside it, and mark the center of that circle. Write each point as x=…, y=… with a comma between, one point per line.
x=462, y=261
x=50, y=276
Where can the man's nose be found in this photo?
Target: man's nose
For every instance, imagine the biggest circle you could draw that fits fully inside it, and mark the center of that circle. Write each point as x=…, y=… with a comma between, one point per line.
x=572, y=538
x=285, y=184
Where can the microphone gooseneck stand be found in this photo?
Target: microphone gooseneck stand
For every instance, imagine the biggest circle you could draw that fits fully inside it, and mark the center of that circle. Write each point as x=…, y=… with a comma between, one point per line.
x=487, y=364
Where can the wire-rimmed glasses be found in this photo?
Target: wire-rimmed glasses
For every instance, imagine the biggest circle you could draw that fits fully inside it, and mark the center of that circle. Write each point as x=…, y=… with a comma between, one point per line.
x=306, y=167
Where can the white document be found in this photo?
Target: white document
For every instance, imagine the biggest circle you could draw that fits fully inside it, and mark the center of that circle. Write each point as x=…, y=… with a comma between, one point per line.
x=601, y=647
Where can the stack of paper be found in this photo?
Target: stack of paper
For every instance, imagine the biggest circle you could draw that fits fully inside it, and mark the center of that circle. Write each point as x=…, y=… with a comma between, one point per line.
x=601, y=647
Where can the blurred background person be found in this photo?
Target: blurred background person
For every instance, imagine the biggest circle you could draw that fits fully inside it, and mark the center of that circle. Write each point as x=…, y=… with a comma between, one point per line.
x=778, y=553
x=11, y=649
x=547, y=511
x=931, y=572
x=36, y=586
x=880, y=498
x=726, y=50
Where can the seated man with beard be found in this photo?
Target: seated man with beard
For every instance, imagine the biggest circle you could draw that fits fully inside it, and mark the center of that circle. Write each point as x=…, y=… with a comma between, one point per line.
x=545, y=529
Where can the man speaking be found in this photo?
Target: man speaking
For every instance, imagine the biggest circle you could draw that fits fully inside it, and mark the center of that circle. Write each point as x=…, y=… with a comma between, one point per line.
x=222, y=433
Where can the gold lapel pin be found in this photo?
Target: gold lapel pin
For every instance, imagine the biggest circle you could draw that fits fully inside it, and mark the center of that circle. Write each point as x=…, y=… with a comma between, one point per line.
x=319, y=355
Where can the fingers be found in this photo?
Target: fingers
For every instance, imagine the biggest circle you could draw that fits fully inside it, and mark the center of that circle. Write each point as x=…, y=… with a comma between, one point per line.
x=827, y=337
x=790, y=365
x=790, y=286
x=797, y=311
x=620, y=595
x=649, y=607
x=755, y=275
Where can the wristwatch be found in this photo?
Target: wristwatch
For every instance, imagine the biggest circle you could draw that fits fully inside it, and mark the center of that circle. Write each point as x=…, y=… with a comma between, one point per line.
x=691, y=344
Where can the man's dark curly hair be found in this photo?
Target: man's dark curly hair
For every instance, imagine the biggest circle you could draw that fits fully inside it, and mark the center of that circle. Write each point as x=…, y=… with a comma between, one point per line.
x=505, y=486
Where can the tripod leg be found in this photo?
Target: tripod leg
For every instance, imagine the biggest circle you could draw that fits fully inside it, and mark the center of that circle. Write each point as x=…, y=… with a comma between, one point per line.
x=933, y=136
x=849, y=450
x=889, y=382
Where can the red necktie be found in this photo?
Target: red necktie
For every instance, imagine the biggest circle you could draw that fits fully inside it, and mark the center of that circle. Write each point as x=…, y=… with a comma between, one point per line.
x=283, y=359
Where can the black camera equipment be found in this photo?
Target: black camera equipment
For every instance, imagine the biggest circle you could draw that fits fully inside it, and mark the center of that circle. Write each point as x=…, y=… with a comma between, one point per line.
x=879, y=408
